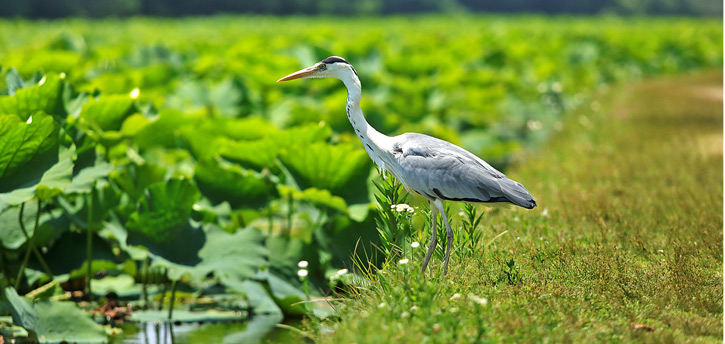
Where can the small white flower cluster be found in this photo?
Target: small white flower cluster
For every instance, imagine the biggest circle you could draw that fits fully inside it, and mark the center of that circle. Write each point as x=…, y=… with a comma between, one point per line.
x=302, y=272
x=477, y=299
x=414, y=244
x=402, y=207
x=403, y=261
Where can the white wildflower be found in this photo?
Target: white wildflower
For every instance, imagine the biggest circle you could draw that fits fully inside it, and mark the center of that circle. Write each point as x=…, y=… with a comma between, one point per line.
x=533, y=125
x=341, y=272
x=414, y=244
x=403, y=261
x=404, y=314
x=402, y=207
x=455, y=296
x=302, y=273
x=479, y=300
x=302, y=264
x=382, y=305
x=545, y=212
x=556, y=87
x=134, y=93
x=413, y=308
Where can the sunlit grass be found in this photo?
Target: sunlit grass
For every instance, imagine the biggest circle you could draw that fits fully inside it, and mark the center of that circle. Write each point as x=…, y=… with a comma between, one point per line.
x=626, y=244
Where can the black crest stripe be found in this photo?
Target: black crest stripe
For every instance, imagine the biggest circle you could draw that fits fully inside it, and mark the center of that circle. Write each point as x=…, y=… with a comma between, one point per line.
x=333, y=59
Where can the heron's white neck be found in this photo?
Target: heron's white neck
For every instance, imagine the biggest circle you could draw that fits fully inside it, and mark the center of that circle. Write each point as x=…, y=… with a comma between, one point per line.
x=375, y=143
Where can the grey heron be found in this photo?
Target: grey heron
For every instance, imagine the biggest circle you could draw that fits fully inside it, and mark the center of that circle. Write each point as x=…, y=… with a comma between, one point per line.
x=435, y=169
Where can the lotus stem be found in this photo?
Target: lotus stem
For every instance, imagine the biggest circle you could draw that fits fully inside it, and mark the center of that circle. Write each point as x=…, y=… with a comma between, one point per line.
x=89, y=244
x=173, y=297
x=31, y=243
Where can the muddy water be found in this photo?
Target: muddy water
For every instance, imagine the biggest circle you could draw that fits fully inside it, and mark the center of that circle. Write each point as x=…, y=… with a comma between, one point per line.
x=226, y=332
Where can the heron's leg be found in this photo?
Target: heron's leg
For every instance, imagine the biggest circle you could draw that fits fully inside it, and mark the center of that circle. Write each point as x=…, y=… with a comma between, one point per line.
x=433, y=240
x=449, y=234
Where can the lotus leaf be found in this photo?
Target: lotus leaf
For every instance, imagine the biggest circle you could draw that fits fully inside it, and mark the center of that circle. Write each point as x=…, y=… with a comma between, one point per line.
x=107, y=113
x=53, y=322
x=45, y=96
x=231, y=257
x=161, y=222
x=222, y=181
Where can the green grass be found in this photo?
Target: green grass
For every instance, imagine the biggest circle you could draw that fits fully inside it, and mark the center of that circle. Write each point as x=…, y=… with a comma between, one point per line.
x=628, y=232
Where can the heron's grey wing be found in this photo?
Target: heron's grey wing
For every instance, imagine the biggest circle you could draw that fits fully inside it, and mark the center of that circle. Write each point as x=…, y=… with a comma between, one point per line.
x=440, y=169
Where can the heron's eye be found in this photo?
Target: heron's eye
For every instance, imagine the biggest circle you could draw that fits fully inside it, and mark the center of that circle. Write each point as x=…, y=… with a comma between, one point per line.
x=323, y=66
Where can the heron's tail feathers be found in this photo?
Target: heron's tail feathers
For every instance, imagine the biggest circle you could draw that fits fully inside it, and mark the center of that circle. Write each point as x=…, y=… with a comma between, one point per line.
x=517, y=193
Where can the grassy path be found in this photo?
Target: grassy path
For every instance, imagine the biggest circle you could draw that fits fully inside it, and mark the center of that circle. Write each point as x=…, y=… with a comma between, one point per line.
x=626, y=244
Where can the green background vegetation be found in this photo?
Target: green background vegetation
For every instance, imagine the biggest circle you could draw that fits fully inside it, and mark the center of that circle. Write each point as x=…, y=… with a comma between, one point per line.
x=165, y=151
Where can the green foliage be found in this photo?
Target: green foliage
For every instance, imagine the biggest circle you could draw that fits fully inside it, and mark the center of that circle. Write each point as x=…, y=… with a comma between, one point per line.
x=393, y=220
x=158, y=146
x=27, y=147
x=162, y=222
x=471, y=235
x=340, y=171
x=221, y=181
x=44, y=96
x=54, y=322
x=244, y=245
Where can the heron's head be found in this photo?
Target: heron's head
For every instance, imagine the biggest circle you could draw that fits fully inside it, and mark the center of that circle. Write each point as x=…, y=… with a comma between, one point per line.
x=331, y=67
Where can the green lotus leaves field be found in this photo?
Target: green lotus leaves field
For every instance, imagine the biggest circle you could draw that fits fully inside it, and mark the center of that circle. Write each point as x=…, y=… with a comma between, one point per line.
x=164, y=150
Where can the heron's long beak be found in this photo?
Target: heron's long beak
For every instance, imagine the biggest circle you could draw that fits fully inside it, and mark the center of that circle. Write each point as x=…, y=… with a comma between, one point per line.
x=300, y=74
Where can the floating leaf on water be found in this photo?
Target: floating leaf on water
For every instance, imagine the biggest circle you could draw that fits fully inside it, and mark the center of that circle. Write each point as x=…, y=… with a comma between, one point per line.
x=53, y=322
x=185, y=316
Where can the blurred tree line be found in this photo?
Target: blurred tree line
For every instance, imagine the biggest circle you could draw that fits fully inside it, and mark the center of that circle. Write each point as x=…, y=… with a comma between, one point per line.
x=105, y=8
